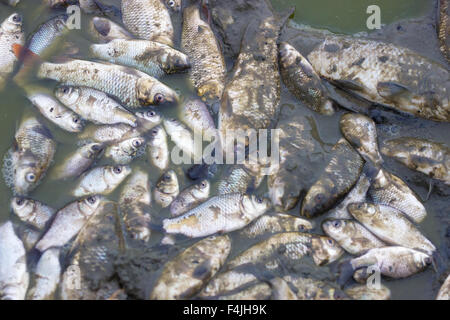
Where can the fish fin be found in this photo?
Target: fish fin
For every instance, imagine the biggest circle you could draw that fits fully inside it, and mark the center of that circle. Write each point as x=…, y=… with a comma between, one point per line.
x=345, y=272
x=350, y=84
x=345, y=100
x=392, y=90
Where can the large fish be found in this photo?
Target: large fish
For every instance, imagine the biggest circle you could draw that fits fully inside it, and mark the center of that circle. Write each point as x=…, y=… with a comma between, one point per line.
x=198, y=41
x=148, y=20
x=184, y=276
x=386, y=74
x=133, y=88
x=189, y=198
x=11, y=36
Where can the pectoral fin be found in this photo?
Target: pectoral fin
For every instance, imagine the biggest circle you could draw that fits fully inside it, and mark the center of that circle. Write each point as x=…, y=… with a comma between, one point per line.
x=392, y=90
x=350, y=84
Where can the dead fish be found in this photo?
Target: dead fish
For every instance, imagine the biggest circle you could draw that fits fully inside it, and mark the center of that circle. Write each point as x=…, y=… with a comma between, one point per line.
x=291, y=245
x=11, y=38
x=148, y=20
x=390, y=225
x=54, y=111
x=14, y=276
x=275, y=223
x=173, y=5
x=388, y=189
x=48, y=35
x=189, y=198
x=94, y=105
x=104, y=30
x=240, y=179
x=208, y=70
x=258, y=291
x=47, y=276
x=32, y=153
x=361, y=132
x=131, y=87
x=195, y=266
x=68, y=222
x=180, y=135
x=79, y=161
x=101, y=180
x=196, y=115
x=220, y=214
x=444, y=291
x=167, y=188
x=312, y=289
x=430, y=158
x=301, y=79
x=32, y=211
x=281, y=290
x=153, y=58
x=339, y=176
x=134, y=202
x=157, y=148
x=226, y=282
x=351, y=236
x=364, y=292
x=443, y=28
x=125, y=151
x=386, y=74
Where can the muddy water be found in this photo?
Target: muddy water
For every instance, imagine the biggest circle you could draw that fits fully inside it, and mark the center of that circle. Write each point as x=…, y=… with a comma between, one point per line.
x=337, y=16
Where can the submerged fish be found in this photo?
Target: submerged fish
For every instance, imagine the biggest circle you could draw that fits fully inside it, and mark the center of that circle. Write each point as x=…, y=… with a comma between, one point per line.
x=133, y=88
x=148, y=20
x=101, y=180
x=351, y=236
x=11, y=35
x=47, y=276
x=125, y=151
x=184, y=275
x=430, y=158
x=68, y=222
x=339, y=176
x=157, y=148
x=220, y=214
x=153, y=58
x=388, y=189
x=167, y=188
x=79, y=161
x=386, y=74
x=47, y=36
x=302, y=81
x=54, y=111
x=134, y=202
x=32, y=211
x=173, y=5
x=104, y=30
x=390, y=225
x=14, y=276
x=94, y=105
x=198, y=41
x=189, y=198
x=180, y=135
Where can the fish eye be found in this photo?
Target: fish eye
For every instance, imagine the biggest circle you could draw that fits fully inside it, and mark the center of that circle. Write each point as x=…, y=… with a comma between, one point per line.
x=76, y=119
x=136, y=143
x=154, y=132
x=167, y=177
x=336, y=224
x=91, y=200
x=319, y=198
x=30, y=177
x=151, y=114
x=20, y=201
x=301, y=228
x=259, y=200
x=51, y=109
x=117, y=170
x=95, y=147
x=171, y=3
x=427, y=261
x=65, y=90
x=159, y=98
x=17, y=18
x=203, y=185
x=330, y=242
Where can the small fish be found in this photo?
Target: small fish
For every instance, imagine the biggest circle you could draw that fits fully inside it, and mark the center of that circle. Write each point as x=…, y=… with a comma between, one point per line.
x=430, y=158
x=134, y=202
x=275, y=223
x=125, y=151
x=48, y=36
x=301, y=79
x=220, y=214
x=364, y=292
x=157, y=148
x=79, y=161
x=14, y=276
x=11, y=36
x=339, y=176
x=361, y=132
x=390, y=225
x=32, y=211
x=167, y=188
x=54, y=111
x=196, y=115
x=195, y=266
x=94, y=105
x=297, y=245
x=198, y=41
x=351, y=236
x=47, y=276
x=226, y=282
x=444, y=291
x=68, y=222
x=155, y=59
x=104, y=30
x=148, y=20
x=388, y=189
x=131, y=87
x=101, y=180
x=189, y=198
x=180, y=135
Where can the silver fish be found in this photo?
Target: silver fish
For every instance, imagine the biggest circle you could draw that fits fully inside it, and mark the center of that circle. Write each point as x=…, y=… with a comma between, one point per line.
x=167, y=188
x=11, y=36
x=157, y=148
x=104, y=30
x=181, y=136
x=47, y=36
x=189, y=198
x=101, y=180
x=47, y=276
x=125, y=151
x=32, y=211
x=196, y=115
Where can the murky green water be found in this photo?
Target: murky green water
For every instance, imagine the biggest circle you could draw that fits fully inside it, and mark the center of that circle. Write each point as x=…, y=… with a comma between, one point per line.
x=346, y=16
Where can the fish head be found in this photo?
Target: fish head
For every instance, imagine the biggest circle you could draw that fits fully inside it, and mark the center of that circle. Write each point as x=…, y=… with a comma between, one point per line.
x=26, y=175
x=156, y=135
x=76, y=123
x=284, y=196
x=89, y=205
x=325, y=250
x=67, y=94
x=174, y=5
x=119, y=172
x=168, y=182
x=362, y=210
x=13, y=23
x=255, y=205
x=174, y=61
x=135, y=143
x=201, y=189
x=152, y=92
x=93, y=150
x=288, y=54
x=334, y=228
x=315, y=200
x=148, y=118
x=422, y=260
x=22, y=207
